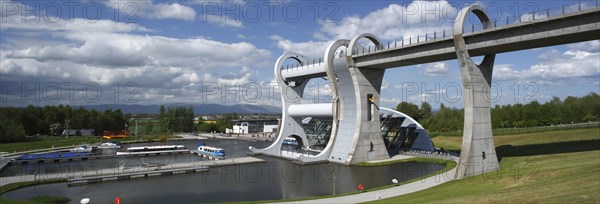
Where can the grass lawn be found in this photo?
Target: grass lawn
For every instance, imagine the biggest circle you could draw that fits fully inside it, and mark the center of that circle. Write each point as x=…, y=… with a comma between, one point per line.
x=36, y=199
x=453, y=142
x=48, y=142
x=548, y=167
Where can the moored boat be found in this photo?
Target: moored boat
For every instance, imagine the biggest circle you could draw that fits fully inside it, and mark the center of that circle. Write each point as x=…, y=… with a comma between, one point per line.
x=152, y=149
x=82, y=148
x=213, y=151
x=110, y=145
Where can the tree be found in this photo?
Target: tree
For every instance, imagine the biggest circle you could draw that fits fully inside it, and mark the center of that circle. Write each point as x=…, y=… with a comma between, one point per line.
x=409, y=109
x=425, y=110
x=11, y=131
x=162, y=119
x=208, y=127
x=54, y=128
x=149, y=126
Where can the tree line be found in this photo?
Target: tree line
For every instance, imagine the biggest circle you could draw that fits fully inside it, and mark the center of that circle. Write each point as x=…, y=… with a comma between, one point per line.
x=176, y=119
x=220, y=125
x=553, y=112
x=16, y=123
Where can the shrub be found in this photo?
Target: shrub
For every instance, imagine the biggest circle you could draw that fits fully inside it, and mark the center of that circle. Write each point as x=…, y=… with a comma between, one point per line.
x=164, y=138
x=50, y=199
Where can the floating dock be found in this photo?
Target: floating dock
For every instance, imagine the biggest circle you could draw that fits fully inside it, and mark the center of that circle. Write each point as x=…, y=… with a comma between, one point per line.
x=4, y=162
x=100, y=175
x=25, y=161
x=135, y=174
x=208, y=156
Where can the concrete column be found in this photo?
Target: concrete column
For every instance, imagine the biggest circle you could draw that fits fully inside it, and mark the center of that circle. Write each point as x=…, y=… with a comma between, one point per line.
x=478, y=154
x=359, y=136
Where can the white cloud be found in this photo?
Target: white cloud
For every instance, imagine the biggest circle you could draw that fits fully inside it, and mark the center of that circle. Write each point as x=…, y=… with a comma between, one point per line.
x=385, y=85
x=313, y=49
x=174, y=11
x=146, y=8
x=165, y=69
x=394, y=22
x=590, y=46
x=436, y=69
x=77, y=24
x=122, y=50
x=569, y=67
x=222, y=21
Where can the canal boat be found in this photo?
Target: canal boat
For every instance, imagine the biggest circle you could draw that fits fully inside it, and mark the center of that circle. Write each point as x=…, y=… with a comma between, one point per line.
x=82, y=148
x=153, y=149
x=58, y=155
x=290, y=141
x=110, y=145
x=211, y=151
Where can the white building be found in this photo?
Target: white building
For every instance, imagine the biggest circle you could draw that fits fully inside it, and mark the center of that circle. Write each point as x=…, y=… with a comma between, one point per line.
x=253, y=126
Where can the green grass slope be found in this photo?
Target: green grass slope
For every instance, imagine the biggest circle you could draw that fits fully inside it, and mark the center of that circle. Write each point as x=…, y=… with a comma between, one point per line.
x=549, y=167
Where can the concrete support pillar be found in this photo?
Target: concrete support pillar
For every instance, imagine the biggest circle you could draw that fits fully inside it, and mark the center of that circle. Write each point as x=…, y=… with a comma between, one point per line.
x=359, y=135
x=478, y=154
x=332, y=79
x=291, y=93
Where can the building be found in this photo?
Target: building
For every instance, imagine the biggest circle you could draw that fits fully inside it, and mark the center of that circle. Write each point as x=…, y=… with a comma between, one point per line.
x=78, y=132
x=253, y=126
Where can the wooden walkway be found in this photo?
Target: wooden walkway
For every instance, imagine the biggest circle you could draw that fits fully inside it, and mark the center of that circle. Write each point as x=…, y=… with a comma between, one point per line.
x=135, y=174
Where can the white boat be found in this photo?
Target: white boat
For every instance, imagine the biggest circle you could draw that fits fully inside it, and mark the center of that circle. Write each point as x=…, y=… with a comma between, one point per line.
x=82, y=148
x=214, y=151
x=153, y=149
x=85, y=201
x=110, y=145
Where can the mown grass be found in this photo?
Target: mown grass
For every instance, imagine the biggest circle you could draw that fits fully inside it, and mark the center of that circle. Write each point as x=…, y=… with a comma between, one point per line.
x=44, y=199
x=61, y=141
x=50, y=199
x=14, y=186
x=36, y=199
x=453, y=143
x=524, y=130
x=47, y=142
x=550, y=167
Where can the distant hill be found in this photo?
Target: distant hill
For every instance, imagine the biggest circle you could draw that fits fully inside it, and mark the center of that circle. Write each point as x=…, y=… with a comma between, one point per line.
x=198, y=108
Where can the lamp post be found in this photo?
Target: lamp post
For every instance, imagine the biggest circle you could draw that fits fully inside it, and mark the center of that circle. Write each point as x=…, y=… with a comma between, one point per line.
x=67, y=128
x=136, y=127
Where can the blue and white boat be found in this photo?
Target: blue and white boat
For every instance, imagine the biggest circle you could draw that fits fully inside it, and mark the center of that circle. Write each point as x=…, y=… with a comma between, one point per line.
x=211, y=151
x=290, y=141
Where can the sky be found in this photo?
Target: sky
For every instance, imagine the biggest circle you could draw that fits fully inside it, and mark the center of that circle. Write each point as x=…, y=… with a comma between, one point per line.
x=223, y=52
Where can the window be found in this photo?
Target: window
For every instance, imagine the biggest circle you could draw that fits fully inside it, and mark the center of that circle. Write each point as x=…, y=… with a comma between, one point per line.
x=369, y=107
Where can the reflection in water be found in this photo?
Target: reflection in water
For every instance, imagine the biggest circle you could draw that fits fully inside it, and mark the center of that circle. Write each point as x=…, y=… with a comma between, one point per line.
x=274, y=179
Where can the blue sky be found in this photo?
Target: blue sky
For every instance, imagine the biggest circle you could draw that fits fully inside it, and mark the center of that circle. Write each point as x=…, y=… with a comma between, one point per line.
x=157, y=52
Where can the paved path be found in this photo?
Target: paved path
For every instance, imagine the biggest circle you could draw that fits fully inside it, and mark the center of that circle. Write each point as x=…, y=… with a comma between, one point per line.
x=394, y=158
x=190, y=136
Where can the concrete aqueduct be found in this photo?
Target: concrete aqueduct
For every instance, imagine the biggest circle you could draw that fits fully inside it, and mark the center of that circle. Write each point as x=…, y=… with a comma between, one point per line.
x=355, y=133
